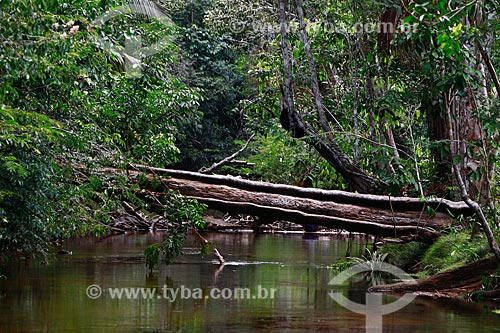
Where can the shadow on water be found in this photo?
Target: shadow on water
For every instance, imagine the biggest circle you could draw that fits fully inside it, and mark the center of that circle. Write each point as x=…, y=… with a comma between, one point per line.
x=52, y=298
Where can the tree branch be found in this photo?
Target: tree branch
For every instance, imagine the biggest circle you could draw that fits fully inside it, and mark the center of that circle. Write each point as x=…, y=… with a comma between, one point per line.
x=227, y=159
x=490, y=67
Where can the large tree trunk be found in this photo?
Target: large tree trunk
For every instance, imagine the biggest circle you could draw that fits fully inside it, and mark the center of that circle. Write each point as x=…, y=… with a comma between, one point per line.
x=437, y=134
x=457, y=281
x=292, y=121
x=463, y=189
x=372, y=214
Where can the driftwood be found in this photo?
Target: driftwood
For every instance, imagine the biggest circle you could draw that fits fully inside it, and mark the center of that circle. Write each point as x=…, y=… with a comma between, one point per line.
x=123, y=223
x=378, y=215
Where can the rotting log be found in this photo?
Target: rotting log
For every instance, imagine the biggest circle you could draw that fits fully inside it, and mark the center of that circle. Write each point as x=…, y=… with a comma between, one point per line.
x=378, y=215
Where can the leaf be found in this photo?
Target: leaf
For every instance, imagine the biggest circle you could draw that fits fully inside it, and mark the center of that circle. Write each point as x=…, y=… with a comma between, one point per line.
x=152, y=254
x=430, y=211
x=205, y=249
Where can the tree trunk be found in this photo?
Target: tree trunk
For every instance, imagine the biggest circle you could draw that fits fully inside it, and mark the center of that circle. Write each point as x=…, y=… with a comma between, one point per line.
x=368, y=200
x=463, y=189
x=295, y=123
x=437, y=134
x=318, y=99
x=292, y=121
x=455, y=281
x=377, y=215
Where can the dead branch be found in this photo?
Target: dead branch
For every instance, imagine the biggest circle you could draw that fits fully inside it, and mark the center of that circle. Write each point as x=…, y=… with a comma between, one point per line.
x=228, y=159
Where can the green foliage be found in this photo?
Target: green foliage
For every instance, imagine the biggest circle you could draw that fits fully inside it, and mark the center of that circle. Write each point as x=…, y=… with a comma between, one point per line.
x=180, y=209
x=215, y=72
x=170, y=248
x=370, y=264
x=453, y=250
x=182, y=213
x=281, y=159
x=25, y=179
x=491, y=282
x=342, y=264
x=152, y=255
x=206, y=248
x=405, y=256
x=67, y=108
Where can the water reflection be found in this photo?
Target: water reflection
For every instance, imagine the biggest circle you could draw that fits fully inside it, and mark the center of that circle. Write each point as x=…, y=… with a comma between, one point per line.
x=38, y=298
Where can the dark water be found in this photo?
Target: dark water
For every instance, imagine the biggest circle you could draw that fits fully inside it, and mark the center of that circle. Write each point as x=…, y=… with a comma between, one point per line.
x=52, y=298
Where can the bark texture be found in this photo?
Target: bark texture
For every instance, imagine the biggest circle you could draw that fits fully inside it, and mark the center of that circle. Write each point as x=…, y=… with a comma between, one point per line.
x=454, y=281
x=378, y=215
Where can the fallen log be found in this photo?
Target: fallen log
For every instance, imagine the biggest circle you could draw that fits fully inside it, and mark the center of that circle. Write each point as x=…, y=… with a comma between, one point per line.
x=458, y=281
x=378, y=215
x=342, y=197
x=362, y=226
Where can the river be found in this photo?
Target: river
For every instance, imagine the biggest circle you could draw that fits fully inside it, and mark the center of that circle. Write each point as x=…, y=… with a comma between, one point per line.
x=281, y=279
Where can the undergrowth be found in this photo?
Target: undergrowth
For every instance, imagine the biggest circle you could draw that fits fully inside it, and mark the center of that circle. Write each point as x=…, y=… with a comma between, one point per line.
x=453, y=250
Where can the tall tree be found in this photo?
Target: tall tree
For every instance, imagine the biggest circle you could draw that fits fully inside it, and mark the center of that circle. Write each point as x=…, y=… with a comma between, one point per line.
x=358, y=179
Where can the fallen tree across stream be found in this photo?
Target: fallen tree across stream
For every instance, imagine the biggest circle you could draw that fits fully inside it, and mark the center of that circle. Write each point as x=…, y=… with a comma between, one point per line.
x=399, y=217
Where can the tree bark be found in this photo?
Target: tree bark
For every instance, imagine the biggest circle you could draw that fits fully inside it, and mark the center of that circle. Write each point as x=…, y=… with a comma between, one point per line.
x=318, y=99
x=437, y=135
x=463, y=189
x=295, y=124
x=455, y=280
x=358, y=179
x=366, y=200
x=377, y=215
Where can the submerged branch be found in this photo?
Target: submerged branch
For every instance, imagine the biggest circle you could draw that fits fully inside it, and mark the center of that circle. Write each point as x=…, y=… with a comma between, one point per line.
x=205, y=242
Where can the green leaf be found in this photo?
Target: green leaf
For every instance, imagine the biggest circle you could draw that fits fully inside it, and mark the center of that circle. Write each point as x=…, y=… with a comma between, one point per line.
x=152, y=254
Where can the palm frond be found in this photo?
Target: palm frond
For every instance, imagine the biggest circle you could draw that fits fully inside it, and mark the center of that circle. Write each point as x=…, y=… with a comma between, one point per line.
x=148, y=8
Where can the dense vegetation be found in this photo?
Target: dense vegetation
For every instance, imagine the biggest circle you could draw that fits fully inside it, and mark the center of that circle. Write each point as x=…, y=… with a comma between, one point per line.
x=68, y=107
x=396, y=97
